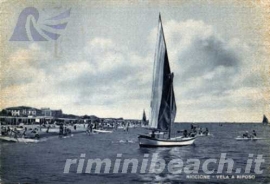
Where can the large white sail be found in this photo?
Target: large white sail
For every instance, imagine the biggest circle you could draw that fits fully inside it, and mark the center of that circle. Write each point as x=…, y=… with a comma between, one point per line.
x=163, y=109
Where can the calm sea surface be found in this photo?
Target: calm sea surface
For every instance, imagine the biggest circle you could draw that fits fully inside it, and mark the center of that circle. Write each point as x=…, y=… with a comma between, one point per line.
x=44, y=162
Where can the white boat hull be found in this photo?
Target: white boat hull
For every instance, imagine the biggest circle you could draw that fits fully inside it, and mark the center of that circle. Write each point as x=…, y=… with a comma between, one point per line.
x=55, y=130
x=102, y=131
x=12, y=139
x=248, y=139
x=146, y=141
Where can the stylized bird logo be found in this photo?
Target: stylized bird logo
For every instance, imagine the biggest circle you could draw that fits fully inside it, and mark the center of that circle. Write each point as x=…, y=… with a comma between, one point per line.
x=28, y=29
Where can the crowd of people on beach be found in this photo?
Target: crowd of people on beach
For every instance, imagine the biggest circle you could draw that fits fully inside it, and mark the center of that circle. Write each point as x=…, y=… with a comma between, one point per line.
x=64, y=128
x=111, y=125
x=22, y=132
x=7, y=131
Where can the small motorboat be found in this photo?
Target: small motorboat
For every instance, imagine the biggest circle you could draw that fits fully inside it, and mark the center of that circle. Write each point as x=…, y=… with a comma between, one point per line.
x=101, y=131
x=241, y=138
x=13, y=139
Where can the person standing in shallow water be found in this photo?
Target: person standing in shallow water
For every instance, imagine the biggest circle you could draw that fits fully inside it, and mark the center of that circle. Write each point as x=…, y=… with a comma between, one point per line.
x=48, y=128
x=254, y=133
x=91, y=127
x=24, y=132
x=127, y=126
x=206, y=131
x=61, y=129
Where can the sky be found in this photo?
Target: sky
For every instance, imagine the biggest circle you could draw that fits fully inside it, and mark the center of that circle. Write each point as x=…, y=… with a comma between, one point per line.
x=102, y=62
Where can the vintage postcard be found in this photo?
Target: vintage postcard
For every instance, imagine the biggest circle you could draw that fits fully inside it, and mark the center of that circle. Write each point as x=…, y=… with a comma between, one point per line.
x=135, y=91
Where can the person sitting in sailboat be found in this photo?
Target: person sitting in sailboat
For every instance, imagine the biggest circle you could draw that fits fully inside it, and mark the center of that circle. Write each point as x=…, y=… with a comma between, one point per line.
x=193, y=131
x=192, y=134
x=153, y=134
x=185, y=133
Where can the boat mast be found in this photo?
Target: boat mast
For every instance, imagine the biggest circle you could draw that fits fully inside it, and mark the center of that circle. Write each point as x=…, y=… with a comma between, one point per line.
x=171, y=100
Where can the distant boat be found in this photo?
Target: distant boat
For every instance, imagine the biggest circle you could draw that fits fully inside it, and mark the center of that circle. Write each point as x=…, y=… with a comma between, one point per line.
x=51, y=129
x=144, y=116
x=99, y=128
x=240, y=138
x=101, y=131
x=265, y=120
x=144, y=120
x=12, y=139
x=163, y=106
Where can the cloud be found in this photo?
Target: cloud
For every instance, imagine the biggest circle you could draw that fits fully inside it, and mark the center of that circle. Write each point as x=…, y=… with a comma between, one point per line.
x=21, y=67
x=211, y=72
x=24, y=80
x=108, y=75
x=212, y=75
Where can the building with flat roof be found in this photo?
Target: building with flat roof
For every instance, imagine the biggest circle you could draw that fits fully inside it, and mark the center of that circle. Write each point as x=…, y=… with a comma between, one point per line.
x=47, y=112
x=22, y=111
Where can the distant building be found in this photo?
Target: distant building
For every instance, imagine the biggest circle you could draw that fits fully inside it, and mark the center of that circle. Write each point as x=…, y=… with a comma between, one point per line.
x=46, y=112
x=51, y=113
x=23, y=111
x=57, y=113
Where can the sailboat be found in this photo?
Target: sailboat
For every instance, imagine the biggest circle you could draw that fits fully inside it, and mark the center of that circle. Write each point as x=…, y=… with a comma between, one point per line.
x=144, y=121
x=144, y=116
x=163, y=105
x=265, y=120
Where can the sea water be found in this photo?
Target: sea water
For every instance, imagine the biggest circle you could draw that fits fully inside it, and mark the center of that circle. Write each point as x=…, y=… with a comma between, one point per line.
x=44, y=162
